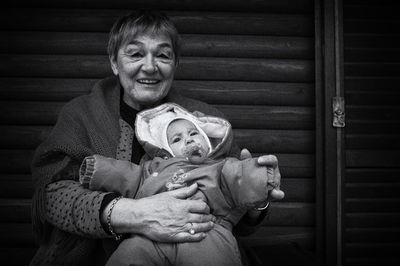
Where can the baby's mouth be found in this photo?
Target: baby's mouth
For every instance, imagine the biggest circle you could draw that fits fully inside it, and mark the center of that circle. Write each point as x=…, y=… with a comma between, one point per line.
x=195, y=153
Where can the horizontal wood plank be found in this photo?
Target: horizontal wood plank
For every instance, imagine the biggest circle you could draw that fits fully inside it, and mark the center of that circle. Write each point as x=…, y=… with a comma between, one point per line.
x=290, y=213
x=271, y=235
x=389, y=69
x=372, y=158
x=371, y=83
x=259, y=141
x=101, y=20
x=371, y=175
x=200, y=68
x=375, y=55
x=372, y=250
x=377, y=204
x=269, y=117
x=379, y=220
x=16, y=256
x=290, y=165
x=248, y=93
x=17, y=235
x=387, y=261
x=368, y=113
x=21, y=186
x=16, y=186
x=373, y=126
x=372, y=141
x=370, y=40
x=373, y=190
x=372, y=235
x=375, y=97
x=257, y=117
x=365, y=10
x=303, y=6
x=282, y=213
x=240, y=46
x=44, y=89
x=276, y=141
x=267, y=236
x=380, y=25
x=214, y=92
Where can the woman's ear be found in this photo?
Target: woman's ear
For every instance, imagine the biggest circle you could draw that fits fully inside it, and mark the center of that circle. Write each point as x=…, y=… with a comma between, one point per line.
x=114, y=66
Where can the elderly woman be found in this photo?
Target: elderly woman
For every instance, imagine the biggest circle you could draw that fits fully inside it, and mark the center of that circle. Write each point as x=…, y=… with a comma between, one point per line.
x=76, y=226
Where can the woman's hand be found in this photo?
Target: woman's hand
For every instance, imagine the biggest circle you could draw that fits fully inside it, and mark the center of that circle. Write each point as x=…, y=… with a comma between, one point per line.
x=165, y=217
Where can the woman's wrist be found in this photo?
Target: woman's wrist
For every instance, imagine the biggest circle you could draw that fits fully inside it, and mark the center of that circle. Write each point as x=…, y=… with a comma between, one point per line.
x=110, y=227
x=125, y=216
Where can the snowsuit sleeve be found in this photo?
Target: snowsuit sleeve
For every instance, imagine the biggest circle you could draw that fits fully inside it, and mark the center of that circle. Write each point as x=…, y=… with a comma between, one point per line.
x=111, y=175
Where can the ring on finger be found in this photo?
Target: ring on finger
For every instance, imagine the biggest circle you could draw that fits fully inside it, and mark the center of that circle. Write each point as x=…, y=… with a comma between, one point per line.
x=191, y=230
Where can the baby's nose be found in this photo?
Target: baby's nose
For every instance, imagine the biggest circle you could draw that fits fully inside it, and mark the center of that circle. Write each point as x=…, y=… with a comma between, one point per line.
x=189, y=140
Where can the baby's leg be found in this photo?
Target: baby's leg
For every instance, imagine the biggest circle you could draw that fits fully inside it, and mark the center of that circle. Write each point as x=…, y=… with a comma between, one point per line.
x=218, y=248
x=139, y=250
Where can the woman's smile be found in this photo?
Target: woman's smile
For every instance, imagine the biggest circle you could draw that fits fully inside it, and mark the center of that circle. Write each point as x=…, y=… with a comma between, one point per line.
x=148, y=81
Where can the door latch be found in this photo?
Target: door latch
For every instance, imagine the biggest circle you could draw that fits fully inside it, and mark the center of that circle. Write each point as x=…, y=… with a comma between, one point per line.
x=339, y=119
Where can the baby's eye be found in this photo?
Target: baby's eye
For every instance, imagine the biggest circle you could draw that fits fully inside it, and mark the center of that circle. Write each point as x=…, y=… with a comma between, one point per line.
x=175, y=140
x=194, y=133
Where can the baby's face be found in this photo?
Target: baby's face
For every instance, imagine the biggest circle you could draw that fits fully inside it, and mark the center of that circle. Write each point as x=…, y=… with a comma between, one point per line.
x=185, y=140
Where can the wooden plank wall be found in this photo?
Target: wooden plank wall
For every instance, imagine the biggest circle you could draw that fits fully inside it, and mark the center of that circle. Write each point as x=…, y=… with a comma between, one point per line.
x=371, y=199
x=253, y=60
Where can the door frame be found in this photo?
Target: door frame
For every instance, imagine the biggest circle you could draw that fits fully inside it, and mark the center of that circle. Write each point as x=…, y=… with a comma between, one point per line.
x=329, y=152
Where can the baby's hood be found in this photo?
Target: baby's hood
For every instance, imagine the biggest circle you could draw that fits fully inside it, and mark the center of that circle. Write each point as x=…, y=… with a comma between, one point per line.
x=151, y=126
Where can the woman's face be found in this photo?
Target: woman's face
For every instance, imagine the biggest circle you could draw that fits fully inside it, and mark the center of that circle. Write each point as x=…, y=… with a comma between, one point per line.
x=145, y=67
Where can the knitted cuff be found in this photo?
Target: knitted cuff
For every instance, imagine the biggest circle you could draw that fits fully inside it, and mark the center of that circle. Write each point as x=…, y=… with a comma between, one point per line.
x=86, y=171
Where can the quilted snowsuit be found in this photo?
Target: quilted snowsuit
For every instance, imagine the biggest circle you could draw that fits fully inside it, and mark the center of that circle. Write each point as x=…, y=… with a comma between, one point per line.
x=230, y=186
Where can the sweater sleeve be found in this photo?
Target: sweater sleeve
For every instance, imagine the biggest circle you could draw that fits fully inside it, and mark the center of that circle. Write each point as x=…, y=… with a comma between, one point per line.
x=74, y=209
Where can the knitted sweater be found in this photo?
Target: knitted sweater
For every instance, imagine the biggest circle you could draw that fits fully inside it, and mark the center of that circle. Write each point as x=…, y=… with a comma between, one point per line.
x=87, y=125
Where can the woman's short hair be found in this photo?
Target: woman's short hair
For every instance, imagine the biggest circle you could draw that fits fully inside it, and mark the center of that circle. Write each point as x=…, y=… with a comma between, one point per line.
x=128, y=27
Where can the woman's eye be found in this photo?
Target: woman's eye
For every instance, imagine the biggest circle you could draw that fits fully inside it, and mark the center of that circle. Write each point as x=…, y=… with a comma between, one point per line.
x=164, y=56
x=136, y=55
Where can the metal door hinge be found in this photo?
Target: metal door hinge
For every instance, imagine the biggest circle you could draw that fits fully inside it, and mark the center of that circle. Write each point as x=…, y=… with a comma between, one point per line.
x=339, y=119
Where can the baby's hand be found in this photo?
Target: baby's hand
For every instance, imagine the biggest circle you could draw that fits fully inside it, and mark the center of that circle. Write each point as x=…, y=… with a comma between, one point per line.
x=276, y=194
x=272, y=171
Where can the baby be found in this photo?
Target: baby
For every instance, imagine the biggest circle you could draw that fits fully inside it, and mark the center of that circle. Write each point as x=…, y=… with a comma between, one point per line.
x=184, y=149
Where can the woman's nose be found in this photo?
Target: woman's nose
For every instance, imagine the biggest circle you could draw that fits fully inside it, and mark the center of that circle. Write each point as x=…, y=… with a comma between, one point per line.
x=149, y=65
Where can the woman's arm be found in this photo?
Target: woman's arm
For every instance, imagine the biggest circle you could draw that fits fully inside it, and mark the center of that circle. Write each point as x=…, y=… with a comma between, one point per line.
x=165, y=217
x=74, y=209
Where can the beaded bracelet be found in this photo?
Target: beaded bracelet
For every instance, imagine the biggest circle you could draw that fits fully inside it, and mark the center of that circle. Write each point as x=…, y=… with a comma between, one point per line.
x=116, y=236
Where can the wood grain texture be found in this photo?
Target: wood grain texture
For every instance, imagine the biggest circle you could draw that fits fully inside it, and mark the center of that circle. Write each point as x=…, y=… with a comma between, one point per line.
x=240, y=116
x=213, y=92
x=372, y=220
x=291, y=165
x=201, y=68
x=271, y=141
x=283, y=213
x=377, y=158
x=21, y=186
x=279, y=6
x=101, y=20
x=240, y=46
